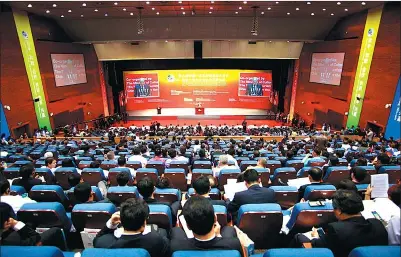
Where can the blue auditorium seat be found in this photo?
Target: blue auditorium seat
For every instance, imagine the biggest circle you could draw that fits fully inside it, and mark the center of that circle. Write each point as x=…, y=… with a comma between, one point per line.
x=285, y=196
x=245, y=164
x=177, y=177
x=46, y=173
x=45, y=215
x=180, y=164
x=40, y=163
x=335, y=174
x=271, y=156
x=297, y=164
x=304, y=217
x=394, y=173
x=11, y=172
x=264, y=174
x=353, y=163
x=168, y=195
x=214, y=193
x=17, y=190
x=133, y=164
x=84, y=164
x=299, y=252
x=202, y=171
x=19, y=164
x=92, y=215
x=31, y=251
x=284, y=174
x=214, y=253
x=319, y=192
x=160, y=214
x=48, y=193
x=93, y=175
x=83, y=158
x=147, y=172
x=96, y=190
x=62, y=174
x=113, y=172
x=261, y=222
x=317, y=161
x=158, y=165
x=227, y=174
x=118, y=194
x=303, y=172
x=382, y=251
x=362, y=187
x=129, y=252
x=106, y=165
x=272, y=165
x=201, y=165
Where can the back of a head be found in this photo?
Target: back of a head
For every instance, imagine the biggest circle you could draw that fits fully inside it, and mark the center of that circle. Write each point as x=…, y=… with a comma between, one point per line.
x=163, y=182
x=347, y=184
x=26, y=170
x=133, y=214
x=183, y=149
x=359, y=173
x=121, y=161
x=4, y=187
x=334, y=161
x=74, y=179
x=122, y=178
x=231, y=151
x=199, y=215
x=315, y=173
x=82, y=192
x=361, y=162
x=348, y=202
x=136, y=151
x=48, y=155
x=394, y=193
x=202, y=185
x=202, y=153
x=290, y=154
x=110, y=155
x=240, y=177
x=158, y=151
x=146, y=187
x=383, y=158
x=172, y=153
x=317, y=151
x=49, y=160
x=251, y=176
x=223, y=159
x=262, y=162
x=95, y=164
x=67, y=163
x=256, y=153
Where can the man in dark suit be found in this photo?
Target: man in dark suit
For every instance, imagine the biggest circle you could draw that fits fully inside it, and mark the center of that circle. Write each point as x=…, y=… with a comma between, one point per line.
x=254, y=89
x=83, y=194
x=202, y=156
x=132, y=216
x=142, y=89
x=254, y=194
x=315, y=176
x=27, y=180
x=202, y=187
x=199, y=216
x=350, y=231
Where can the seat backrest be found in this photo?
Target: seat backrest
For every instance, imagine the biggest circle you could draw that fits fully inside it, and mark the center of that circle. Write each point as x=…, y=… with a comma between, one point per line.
x=31, y=251
x=106, y=165
x=382, y=251
x=319, y=192
x=134, y=164
x=196, y=173
x=335, y=174
x=152, y=173
x=158, y=165
x=93, y=175
x=20, y=163
x=129, y=252
x=11, y=172
x=177, y=177
x=284, y=174
x=272, y=165
x=48, y=193
x=202, y=253
x=160, y=214
x=118, y=194
x=202, y=165
x=221, y=213
x=261, y=222
x=17, y=190
x=180, y=164
x=245, y=164
x=167, y=195
x=113, y=172
x=226, y=174
x=304, y=217
x=44, y=215
x=62, y=174
x=84, y=164
x=394, y=173
x=285, y=196
x=264, y=174
x=299, y=252
x=297, y=164
x=91, y=215
x=315, y=162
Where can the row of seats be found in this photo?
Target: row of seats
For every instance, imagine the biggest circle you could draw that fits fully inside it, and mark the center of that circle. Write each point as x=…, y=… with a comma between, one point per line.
x=49, y=251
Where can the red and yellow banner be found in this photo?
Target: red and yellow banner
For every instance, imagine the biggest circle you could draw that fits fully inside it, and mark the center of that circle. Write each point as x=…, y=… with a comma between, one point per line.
x=294, y=88
x=103, y=88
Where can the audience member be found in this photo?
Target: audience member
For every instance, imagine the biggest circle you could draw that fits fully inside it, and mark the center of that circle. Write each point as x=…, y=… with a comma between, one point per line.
x=27, y=180
x=136, y=156
x=202, y=187
x=358, y=174
x=315, y=175
x=74, y=179
x=163, y=182
x=83, y=194
x=347, y=184
x=15, y=201
x=122, y=163
x=122, y=178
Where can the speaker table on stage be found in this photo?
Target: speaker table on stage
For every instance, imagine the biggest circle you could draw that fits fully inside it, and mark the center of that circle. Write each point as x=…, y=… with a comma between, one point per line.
x=199, y=110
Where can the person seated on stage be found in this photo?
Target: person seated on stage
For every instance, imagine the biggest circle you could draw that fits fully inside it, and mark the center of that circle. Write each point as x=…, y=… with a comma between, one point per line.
x=254, y=194
x=122, y=178
x=147, y=188
x=202, y=187
x=83, y=194
x=350, y=231
x=358, y=174
x=132, y=218
x=15, y=201
x=207, y=233
x=122, y=163
x=28, y=178
x=14, y=232
x=136, y=156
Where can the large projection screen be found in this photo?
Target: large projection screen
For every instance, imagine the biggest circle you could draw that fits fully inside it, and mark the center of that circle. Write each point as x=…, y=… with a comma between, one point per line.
x=326, y=68
x=69, y=69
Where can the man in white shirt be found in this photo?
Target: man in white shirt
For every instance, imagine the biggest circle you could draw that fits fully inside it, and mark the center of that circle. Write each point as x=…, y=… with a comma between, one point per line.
x=181, y=156
x=121, y=164
x=15, y=201
x=136, y=156
x=230, y=156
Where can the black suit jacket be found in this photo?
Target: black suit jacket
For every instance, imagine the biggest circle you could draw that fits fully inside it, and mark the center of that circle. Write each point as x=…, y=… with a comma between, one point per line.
x=27, y=183
x=218, y=243
x=301, y=190
x=254, y=194
x=343, y=236
x=23, y=237
x=153, y=242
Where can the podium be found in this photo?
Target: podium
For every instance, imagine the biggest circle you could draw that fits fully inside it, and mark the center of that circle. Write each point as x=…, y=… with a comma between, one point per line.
x=199, y=111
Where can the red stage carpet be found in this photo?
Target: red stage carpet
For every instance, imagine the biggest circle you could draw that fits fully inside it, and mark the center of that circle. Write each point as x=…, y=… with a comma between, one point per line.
x=203, y=122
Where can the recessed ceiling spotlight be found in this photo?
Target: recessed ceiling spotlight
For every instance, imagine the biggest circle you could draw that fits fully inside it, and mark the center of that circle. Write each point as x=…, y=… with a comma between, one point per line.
x=236, y=12
x=69, y=11
x=245, y=2
x=157, y=13
x=182, y=8
x=54, y=5
x=124, y=9
x=210, y=12
x=115, y=3
x=29, y=5
x=131, y=14
x=62, y=16
x=270, y=41
x=324, y=9
x=288, y=13
x=363, y=3
x=297, y=9
x=308, y=3
x=212, y=2
x=312, y=14
x=338, y=3
x=240, y=7
x=82, y=15
x=277, y=2
x=153, y=8
x=269, y=8
x=83, y=4
x=288, y=41
x=180, y=2
x=106, y=14
x=332, y=14
x=147, y=2
x=166, y=41
x=47, y=11
x=211, y=7
x=96, y=10
x=262, y=13
x=346, y=10
x=183, y=13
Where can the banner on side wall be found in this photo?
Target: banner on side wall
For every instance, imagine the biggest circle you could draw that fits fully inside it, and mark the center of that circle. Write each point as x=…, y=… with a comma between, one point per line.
x=394, y=120
x=365, y=59
x=294, y=88
x=103, y=88
x=32, y=68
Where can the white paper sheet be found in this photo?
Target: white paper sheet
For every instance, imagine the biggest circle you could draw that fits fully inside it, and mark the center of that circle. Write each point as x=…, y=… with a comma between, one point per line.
x=231, y=181
x=379, y=182
x=298, y=182
x=231, y=189
x=383, y=206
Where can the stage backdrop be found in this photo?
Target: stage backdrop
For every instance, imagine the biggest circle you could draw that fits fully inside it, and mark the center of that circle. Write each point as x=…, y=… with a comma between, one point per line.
x=250, y=89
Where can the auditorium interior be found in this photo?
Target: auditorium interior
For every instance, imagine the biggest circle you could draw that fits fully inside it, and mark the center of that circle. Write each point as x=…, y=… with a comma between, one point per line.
x=200, y=128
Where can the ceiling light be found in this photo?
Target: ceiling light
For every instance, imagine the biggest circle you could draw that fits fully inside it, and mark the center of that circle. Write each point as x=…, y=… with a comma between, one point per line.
x=346, y=10
x=324, y=9
x=54, y=5
x=236, y=12
x=312, y=14
x=288, y=41
x=47, y=11
x=211, y=8
x=210, y=12
x=297, y=9
x=82, y=15
x=157, y=13
x=269, y=8
x=262, y=13
x=277, y=2
x=115, y=3
x=29, y=5
x=96, y=10
x=106, y=14
x=183, y=13
x=147, y=2
x=153, y=8
x=270, y=41
x=332, y=14
x=69, y=11
x=212, y=2
x=62, y=16
x=338, y=3
x=245, y=2
x=240, y=7
x=124, y=9
x=131, y=14
x=288, y=13
x=363, y=3
x=83, y=4
x=308, y=3
x=180, y=2
x=166, y=41
x=182, y=8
